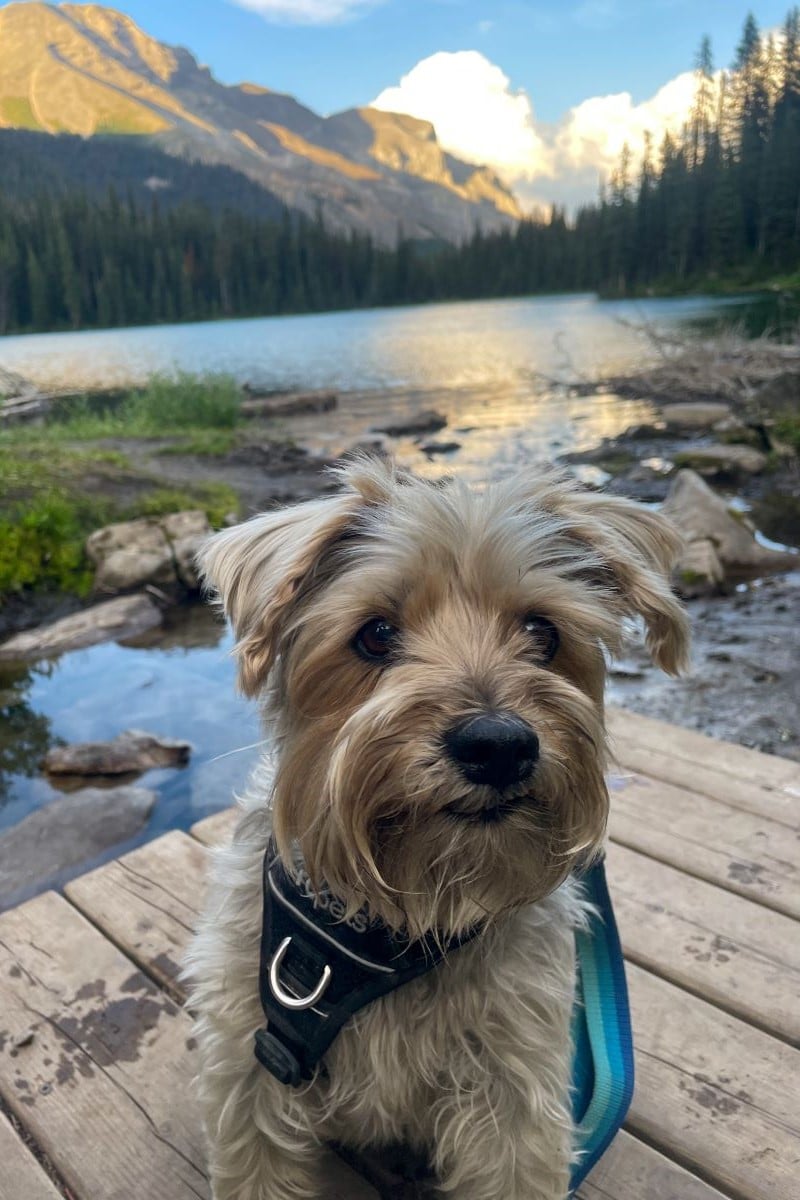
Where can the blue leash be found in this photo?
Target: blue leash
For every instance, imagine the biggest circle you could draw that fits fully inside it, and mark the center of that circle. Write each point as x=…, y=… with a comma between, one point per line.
x=603, y=1063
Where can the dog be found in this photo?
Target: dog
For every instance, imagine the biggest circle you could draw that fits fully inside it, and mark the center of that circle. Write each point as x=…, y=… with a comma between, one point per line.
x=431, y=661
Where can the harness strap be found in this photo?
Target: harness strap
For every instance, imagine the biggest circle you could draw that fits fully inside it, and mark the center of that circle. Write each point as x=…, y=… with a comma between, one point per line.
x=318, y=968
x=603, y=1072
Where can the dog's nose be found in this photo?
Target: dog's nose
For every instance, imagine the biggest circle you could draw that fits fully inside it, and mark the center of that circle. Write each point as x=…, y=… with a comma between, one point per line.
x=495, y=748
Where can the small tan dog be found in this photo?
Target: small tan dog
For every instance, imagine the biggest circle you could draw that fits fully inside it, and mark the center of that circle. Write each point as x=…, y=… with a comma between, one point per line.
x=432, y=662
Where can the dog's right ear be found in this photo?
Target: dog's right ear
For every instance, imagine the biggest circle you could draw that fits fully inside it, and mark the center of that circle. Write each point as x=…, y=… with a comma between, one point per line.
x=259, y=571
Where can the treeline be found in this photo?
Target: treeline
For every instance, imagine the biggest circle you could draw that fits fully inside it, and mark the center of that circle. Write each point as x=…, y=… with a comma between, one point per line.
x=722, y=201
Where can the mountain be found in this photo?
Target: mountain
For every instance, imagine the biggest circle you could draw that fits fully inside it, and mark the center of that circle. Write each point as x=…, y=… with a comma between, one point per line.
x=91, y=71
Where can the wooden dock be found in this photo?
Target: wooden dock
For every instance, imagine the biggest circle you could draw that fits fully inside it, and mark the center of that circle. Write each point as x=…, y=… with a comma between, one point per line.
x=96, y=1054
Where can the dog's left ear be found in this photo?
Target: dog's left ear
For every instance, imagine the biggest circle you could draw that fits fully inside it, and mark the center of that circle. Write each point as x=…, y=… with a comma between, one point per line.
x=259, y=570
x=636, y=549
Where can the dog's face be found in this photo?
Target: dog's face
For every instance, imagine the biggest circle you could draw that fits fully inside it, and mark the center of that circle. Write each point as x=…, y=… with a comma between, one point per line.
x=436, y=670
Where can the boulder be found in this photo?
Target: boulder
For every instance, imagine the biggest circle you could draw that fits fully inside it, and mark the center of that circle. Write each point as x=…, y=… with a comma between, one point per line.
x=186, y=532
x=695, y=415
x=290, y=404
x=113, y=620
x=720, y=544
x=69, y=831
x=130, y=554
x=424, y=422
x=730, y=462
x=133, y=750
x=157, y=550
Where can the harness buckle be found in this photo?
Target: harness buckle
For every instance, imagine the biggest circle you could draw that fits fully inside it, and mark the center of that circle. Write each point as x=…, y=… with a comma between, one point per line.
x=287, y=999
x=277, y=1059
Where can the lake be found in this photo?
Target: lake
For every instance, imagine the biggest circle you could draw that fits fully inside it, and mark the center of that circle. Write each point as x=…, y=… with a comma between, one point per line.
x=488, y=365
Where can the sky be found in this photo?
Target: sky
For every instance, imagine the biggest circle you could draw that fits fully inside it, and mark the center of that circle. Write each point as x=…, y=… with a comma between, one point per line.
x=545, y=91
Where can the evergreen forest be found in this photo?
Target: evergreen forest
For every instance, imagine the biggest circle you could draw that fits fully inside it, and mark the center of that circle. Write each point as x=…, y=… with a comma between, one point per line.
x=718, y=206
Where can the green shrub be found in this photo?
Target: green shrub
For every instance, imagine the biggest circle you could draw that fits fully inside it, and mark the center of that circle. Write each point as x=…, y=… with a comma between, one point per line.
x=184, y=402
x=215, y=499
x=42, y=545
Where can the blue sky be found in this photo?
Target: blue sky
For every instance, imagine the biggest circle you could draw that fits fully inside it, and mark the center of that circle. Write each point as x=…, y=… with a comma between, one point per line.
x=560, y=53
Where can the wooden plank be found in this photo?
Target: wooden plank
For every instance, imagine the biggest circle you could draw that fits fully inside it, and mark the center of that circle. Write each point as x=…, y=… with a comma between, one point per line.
x=724, y=948
x=734, y=849
x=104, y=1083
x=148, y=902
x=630, y=1170
x=21, y=1177
x=213, y=831
x=714, y=1093
x=760, y=783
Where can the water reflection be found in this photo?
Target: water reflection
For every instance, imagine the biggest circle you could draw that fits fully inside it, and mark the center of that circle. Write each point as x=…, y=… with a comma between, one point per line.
x=500, y=342
x=181, y=685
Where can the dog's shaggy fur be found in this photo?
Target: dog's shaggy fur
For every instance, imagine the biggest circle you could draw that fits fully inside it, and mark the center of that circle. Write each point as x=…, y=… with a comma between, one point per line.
x=470, y=1063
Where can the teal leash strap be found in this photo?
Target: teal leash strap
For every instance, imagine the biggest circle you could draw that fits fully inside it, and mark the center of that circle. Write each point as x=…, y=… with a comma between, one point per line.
x=603, y=1074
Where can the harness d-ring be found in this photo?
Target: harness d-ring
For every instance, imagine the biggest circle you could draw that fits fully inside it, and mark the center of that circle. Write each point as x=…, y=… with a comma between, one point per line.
x=286, y=998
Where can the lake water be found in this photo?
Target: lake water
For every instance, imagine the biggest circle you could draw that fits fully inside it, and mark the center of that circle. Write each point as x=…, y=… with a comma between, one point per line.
x=488, y=365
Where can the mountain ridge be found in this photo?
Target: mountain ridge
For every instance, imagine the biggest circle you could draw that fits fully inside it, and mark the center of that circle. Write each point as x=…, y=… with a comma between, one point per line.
x=91, y=70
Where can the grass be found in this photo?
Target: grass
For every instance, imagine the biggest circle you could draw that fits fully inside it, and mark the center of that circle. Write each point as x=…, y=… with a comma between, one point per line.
x=56, y=486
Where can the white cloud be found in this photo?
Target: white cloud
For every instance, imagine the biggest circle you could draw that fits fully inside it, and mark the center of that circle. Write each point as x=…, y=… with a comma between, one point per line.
x=476, y=113
x=308, y=12
x=480, y=117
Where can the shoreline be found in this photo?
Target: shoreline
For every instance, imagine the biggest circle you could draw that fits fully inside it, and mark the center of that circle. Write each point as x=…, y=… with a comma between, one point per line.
x=742, y=686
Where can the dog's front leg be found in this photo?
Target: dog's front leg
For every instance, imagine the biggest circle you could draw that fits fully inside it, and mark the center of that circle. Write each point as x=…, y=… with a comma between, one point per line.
x=500, y=1140
x=260, y=1145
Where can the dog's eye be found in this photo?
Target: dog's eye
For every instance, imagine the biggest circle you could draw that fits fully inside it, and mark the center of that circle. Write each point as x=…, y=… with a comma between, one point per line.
x=543, y=634
x=376, y=640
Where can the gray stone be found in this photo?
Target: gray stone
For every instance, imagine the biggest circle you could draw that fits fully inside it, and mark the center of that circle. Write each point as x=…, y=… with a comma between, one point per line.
x=157, y=550
x=424, y=422
x=694, y=415
x=133, y=750
x=707, y=525
x=723, y=462
x=69, y=831
x=129, y=554
x=186, y=532
x=113, y=620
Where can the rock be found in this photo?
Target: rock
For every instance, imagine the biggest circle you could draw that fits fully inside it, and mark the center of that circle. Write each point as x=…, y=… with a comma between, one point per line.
x=158, y=550
x=129, y=554
x=71, y=830
x=731, y=463
x=781, y=394
x=133, y=750
x=424, y=422
x=700, y=573
x=186, y=532
x=374, y=447
x=113, y=620
x=712, y=532
x=695, y=416
x=431, y=448
x=290, y=404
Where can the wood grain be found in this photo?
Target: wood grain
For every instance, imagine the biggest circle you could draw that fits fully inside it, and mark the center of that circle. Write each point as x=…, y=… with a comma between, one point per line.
x=630, y=1170
x=736, y=850
x=148, y=902
x=714, y=1093
x=720, y=946
x=759, y=783
x=104, y=1083
x=21, y=1177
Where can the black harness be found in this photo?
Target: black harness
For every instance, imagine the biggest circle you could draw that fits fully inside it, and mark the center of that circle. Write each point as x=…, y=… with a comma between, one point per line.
x=318, y=969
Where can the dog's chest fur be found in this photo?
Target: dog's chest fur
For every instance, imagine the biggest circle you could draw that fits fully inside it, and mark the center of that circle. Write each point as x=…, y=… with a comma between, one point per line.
x=505, y=998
